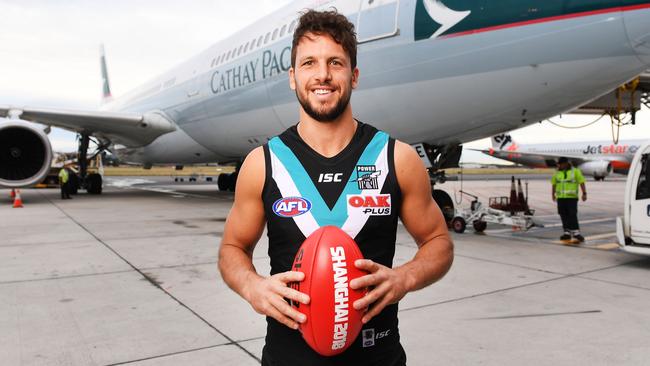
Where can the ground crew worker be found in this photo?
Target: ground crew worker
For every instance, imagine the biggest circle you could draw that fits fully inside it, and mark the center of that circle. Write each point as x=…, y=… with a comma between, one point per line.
x=64, y=179
x=565, y=190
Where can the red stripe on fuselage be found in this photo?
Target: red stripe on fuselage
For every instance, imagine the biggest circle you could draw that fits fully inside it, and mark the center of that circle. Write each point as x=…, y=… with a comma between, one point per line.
x=550, y=19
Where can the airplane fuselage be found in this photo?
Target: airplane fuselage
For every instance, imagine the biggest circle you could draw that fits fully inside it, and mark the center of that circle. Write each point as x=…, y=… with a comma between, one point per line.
x=620, y=155
x=427, y=73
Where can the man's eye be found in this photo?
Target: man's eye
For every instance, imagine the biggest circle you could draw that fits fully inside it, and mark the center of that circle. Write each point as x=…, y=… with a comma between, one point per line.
x=334, y=62
x=308, y=63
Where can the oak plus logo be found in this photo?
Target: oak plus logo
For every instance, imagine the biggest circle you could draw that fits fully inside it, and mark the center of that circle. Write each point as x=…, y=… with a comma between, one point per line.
x=433, y=18
x=369, y=204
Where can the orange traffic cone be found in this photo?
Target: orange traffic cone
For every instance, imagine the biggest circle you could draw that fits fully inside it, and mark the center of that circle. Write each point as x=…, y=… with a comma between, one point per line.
x=18, y=202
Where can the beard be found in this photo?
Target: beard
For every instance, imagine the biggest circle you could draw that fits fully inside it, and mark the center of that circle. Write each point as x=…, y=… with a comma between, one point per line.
x=325, y=115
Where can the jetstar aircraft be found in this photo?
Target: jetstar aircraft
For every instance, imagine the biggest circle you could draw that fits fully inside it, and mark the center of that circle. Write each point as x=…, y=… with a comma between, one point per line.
x=434, y=73
x=595, y=158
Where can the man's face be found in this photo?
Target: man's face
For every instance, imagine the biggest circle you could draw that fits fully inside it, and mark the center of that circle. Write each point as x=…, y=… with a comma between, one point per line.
x=322, y=77
x=563, y=166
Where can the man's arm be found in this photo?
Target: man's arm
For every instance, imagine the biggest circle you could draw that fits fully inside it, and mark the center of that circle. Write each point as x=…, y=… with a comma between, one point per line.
x=581, y=180
x=424, y=221
x=553, y=192
x=243, y=229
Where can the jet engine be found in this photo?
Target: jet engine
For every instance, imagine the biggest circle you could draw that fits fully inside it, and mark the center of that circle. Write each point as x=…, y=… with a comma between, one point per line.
x=25, y=154
x=598, y=169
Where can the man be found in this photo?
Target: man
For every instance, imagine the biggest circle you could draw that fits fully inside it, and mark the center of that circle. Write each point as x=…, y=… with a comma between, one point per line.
x=64, y=179
x=564, y=189
x=325, y=159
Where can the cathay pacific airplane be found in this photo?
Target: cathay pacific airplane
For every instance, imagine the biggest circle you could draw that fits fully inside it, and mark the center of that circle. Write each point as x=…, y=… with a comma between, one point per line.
x=433, y=73
x=595, y=158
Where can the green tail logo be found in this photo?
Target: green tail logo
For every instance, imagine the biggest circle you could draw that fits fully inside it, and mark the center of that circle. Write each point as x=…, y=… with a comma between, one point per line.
x=433, y=18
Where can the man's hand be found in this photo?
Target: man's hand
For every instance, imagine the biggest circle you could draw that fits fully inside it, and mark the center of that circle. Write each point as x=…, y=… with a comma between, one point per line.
x=267, y=296
x=584, y=196
x=553, y=197
x=387, y=286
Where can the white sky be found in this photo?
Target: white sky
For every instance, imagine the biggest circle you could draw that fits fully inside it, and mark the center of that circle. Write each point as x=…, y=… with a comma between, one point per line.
x=49, y=55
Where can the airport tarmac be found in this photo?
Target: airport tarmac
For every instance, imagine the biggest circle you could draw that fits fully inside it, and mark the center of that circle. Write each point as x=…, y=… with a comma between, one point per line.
x=129, y=278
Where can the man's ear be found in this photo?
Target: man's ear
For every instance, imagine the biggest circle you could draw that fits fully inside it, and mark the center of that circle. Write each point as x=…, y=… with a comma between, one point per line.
x=355, y=77
x=292, y=80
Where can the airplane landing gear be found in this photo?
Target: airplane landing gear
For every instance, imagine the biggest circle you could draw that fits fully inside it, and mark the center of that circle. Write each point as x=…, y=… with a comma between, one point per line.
x=437, y=158
x=91, y=182
x=228, y=181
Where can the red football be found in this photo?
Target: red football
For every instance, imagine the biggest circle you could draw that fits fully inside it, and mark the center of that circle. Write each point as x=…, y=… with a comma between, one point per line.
x=327, y=259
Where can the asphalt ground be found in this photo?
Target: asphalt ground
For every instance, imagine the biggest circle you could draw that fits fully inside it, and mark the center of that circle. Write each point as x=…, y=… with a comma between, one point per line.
x=129, y=278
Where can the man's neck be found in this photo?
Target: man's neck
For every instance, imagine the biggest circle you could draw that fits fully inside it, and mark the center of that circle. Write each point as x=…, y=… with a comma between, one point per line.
x=327, y=138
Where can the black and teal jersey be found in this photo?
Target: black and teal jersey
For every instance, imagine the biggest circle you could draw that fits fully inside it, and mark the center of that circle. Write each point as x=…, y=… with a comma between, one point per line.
x=357, y=191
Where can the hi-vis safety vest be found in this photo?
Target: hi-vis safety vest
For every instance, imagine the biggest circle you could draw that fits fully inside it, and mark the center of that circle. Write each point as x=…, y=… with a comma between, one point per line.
x=566, y=182
x=63, y=175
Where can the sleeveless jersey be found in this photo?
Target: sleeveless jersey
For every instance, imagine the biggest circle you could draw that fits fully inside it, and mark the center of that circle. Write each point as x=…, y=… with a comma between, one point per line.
x=357, y=191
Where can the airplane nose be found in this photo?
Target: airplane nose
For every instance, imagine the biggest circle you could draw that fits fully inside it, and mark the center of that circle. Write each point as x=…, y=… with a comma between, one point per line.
x=637, y=26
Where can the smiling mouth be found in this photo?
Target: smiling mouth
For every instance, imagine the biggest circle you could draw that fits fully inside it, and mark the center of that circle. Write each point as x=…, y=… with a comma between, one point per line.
x=322, y=91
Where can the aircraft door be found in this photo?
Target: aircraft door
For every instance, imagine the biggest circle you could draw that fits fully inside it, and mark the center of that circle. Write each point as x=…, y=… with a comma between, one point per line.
x=640, y=203
x=377, y=19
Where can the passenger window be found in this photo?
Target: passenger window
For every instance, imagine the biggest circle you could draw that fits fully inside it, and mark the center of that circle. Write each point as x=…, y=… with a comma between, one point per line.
x=266, y=39
x=275, y=34
x=241, y=48
x=284, y=28
x=643, y=189
x=293, y=25
x=259, y=41
x=228, y=55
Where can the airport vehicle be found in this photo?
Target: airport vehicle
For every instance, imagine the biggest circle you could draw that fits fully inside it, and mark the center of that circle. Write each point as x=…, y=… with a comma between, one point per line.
x=633, y=229
x=595, y=158
x=434, y=73
x=512, y=211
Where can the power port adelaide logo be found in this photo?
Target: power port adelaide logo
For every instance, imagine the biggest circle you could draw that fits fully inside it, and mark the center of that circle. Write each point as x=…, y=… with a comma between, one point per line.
x=434, y=18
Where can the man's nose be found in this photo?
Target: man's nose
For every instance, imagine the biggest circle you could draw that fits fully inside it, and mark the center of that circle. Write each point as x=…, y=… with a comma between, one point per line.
x=323, y=72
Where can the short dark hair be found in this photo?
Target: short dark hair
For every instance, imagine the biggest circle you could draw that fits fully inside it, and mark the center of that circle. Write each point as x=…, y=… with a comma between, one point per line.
x=329, y=22
x=562, y=159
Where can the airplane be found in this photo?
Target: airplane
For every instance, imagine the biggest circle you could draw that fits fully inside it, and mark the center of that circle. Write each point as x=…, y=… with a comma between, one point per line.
x=434, y=73
x=596, y=158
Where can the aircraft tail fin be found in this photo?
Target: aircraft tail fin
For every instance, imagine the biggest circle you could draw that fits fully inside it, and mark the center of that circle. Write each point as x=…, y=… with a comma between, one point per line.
x=502, y=141
x=106, y=87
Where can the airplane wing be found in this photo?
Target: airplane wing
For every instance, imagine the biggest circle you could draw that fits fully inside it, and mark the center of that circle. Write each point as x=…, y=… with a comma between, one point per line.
x=129, y=129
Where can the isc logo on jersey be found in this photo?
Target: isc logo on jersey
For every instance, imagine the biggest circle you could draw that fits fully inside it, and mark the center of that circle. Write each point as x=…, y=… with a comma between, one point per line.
x=291, y=206
x=369, y=204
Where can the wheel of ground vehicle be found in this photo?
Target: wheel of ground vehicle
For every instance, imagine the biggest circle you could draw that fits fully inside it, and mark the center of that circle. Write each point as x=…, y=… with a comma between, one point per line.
x=458, y=224
x=479, y=226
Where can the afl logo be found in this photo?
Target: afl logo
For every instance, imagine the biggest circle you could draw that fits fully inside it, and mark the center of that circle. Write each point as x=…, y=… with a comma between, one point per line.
x=291, y=206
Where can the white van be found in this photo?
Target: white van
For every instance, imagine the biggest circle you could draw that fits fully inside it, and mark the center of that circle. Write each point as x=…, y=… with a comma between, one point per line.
x=633, y=229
